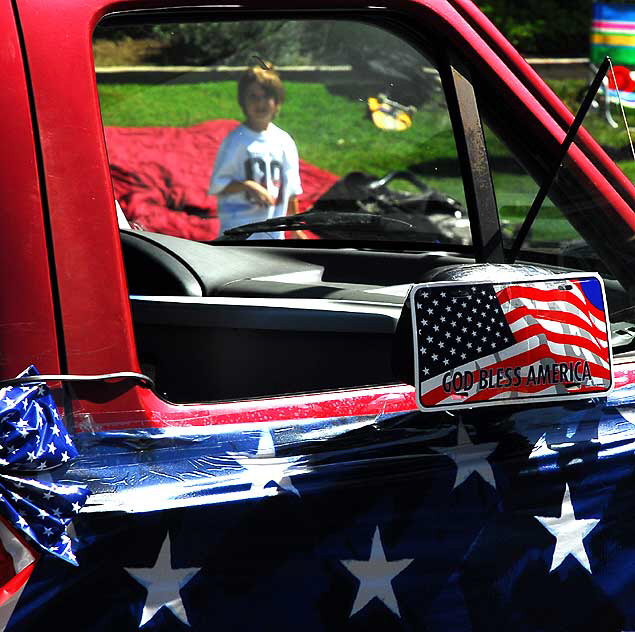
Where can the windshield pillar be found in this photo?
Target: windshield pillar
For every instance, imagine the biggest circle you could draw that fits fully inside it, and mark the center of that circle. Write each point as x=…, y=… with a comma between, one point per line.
x=479, y=189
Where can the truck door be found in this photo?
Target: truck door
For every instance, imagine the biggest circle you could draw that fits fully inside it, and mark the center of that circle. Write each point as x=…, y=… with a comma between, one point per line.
x=27, y=322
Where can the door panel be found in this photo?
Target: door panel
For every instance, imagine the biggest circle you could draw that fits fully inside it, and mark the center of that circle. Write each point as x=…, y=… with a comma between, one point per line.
x=27, y=325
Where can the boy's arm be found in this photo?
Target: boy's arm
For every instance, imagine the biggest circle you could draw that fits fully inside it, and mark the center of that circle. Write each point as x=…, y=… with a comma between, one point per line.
x=257, y=191
x=293, y=207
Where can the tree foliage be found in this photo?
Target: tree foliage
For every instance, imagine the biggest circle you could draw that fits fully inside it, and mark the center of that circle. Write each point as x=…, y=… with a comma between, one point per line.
x=558, y=28
x=231, y=43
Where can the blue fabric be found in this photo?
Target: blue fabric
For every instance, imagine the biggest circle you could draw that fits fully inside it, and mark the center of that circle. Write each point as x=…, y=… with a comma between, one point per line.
x=34, y=440
x=415, y=521
x=620, y=12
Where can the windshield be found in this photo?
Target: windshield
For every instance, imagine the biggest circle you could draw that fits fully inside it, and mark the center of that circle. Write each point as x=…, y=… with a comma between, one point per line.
x=322, y=130
x=232, y=123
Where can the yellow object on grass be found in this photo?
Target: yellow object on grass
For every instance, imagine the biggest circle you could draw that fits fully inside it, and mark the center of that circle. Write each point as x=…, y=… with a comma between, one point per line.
x=390, y=115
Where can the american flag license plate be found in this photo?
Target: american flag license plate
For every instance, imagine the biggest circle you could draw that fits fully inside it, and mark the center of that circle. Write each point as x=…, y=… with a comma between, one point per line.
x=478, y=344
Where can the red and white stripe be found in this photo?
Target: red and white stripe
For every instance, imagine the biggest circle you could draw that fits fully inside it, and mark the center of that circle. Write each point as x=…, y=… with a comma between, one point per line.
x=549, y=325
x=17, y=561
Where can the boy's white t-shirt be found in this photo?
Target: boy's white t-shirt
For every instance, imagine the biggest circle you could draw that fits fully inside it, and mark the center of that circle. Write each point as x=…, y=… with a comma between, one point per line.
x=269, y=158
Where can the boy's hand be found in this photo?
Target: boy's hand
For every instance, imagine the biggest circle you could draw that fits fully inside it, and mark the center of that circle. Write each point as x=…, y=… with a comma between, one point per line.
x=258, y=193
x=254, y=191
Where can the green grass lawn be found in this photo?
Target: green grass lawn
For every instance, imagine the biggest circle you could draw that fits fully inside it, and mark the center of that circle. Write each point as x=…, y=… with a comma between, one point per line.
x=613, y=140
x=331, y=131
x=334, y=133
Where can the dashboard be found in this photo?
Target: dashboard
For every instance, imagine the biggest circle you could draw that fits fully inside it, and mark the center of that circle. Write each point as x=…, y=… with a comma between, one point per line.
x=224, y=322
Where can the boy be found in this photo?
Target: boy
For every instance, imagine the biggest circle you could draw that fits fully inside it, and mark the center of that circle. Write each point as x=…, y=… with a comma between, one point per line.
x=256, y=174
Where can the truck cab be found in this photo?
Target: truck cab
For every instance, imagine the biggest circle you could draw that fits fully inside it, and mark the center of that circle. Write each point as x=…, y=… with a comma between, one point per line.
x=244, y=410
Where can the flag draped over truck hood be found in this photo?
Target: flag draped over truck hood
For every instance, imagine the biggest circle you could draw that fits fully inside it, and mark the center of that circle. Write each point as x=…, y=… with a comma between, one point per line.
x=516, y=519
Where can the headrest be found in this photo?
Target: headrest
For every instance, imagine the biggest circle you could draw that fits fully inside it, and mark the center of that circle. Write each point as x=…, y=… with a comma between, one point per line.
x=494, y=272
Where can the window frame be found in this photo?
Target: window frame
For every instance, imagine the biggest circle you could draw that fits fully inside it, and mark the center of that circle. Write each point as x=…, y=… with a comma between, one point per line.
x=103, y=344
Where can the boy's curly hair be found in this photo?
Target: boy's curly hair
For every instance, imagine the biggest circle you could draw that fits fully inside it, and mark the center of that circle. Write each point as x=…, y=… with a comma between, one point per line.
x=267, y=78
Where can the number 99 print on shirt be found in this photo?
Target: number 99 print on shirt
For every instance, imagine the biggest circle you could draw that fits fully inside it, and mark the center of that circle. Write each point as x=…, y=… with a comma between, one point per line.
x=269, y=158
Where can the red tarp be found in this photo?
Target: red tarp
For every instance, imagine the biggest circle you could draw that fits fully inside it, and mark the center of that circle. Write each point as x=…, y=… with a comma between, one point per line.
x=161, y=175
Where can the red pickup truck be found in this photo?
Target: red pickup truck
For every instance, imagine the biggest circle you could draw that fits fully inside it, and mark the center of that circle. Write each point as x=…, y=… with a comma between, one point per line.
x=243, y=409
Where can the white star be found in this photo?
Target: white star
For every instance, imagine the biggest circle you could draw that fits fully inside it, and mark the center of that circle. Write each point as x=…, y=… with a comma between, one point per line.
x=470, y=458
x=52, y=448
x=265, y=467
x=569, y=532
x=55, y=430
x=76, y=507
x=163, y=583
x=375, y=577
x=65, y=456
